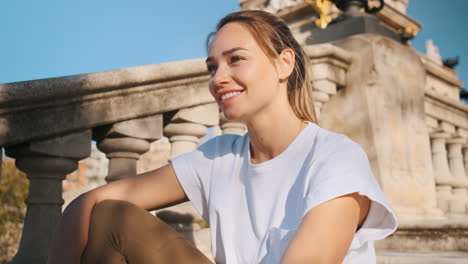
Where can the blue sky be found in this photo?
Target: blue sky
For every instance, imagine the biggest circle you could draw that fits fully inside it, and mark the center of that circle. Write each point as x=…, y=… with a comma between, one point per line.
x=50, y=38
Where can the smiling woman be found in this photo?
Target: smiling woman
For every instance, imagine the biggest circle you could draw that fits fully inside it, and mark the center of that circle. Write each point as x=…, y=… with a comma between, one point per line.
x=286, y=192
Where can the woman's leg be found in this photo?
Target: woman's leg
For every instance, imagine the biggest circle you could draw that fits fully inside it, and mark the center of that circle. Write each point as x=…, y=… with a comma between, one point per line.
x=120, y=231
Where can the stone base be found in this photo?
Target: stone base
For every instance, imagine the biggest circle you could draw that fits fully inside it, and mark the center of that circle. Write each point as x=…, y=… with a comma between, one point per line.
x=422, y=258
x=450, y=235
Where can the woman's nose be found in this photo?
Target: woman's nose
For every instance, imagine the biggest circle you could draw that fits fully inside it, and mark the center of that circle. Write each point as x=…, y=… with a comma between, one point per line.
x=221, y=76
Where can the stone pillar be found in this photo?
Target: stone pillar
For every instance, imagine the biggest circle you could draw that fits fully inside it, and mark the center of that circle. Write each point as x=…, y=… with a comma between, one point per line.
x=323, y=90
x=457, y=205
x=184, y=130
x=441, y=170
x=125, y=141
x=231, y=127
x=383, y=110
x=465, y=159
x=444, y=196
x=440, y=163
x=455, y=157
x=320, y=98
x=188, y=125
x=465, y=156
x=46, y=163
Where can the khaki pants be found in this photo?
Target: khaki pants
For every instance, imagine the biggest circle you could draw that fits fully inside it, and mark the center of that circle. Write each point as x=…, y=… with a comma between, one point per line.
x=121, y=232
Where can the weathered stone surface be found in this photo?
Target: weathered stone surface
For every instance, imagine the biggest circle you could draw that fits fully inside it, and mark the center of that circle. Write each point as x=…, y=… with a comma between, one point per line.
x=389, y=257
x=46, y=163
x=192, y=129
x=448, y=110
x=150, y=128
x=428, y=236
x=207, y=114
x=70, y=146
x=382, y=108
x=90, y=100
x=441, y=80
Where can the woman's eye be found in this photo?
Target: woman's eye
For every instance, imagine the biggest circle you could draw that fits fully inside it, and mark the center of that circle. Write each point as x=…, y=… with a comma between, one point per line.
x=236, y=59
x=211, y=68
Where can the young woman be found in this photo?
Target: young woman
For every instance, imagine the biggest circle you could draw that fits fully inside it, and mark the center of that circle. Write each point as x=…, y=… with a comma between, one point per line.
x=286, y=192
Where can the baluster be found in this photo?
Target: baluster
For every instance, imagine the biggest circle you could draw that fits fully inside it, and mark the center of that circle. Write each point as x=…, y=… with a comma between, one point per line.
x=46, y=163
x=184, y=131
x=188, y=125
x=324, y=82
x=320, y=98
x=124, y=142
x=455, y=156
x=231, y=127
x=465, y=157
x=440, y=165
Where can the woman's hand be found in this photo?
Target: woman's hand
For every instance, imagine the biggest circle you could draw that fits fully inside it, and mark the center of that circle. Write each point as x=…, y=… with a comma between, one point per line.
x=149, y=190
x=326, y=231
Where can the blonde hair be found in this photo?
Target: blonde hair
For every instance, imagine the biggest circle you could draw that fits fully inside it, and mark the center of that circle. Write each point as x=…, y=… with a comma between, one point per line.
x=273, y=36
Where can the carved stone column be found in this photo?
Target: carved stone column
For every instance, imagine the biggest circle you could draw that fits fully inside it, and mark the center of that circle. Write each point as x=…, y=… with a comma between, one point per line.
x=465, y=157
x=184, y=130
x=455, y=157
x=440, y=164
x=188, y=125
x=46, y=163
x=125, y=141
x=184, y=136
x=323, y=89
x=444, y=196
x=231, y=127
x=443, y=177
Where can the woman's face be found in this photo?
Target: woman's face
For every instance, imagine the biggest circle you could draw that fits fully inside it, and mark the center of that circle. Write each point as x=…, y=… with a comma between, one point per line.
x=244, y=80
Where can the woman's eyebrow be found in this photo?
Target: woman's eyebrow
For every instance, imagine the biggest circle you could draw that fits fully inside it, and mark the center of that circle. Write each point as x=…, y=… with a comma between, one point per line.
x=229, y=51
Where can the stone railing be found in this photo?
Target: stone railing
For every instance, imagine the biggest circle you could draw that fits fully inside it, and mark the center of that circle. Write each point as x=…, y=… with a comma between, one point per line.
x=447, y=121
x=48, y=125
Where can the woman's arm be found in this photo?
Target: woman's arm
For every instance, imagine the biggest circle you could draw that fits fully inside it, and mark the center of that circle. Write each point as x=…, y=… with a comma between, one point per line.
x=149, y=190
x=327, y=230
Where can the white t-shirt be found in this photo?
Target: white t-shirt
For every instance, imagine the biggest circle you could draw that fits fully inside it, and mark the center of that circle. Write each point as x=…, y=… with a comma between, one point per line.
x=254, y=210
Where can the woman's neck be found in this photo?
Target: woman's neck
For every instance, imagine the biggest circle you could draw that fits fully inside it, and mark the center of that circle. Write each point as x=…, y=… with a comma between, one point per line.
x=271, y=135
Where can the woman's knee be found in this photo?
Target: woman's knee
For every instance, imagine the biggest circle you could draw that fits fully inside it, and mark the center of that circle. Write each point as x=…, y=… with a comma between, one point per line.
x=120, y=214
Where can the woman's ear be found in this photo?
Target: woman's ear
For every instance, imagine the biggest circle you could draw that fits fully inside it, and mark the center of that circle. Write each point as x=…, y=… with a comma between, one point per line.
x=286, y=61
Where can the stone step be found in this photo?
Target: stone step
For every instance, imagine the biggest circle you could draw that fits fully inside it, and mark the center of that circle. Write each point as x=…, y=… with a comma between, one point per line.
x=422, y=258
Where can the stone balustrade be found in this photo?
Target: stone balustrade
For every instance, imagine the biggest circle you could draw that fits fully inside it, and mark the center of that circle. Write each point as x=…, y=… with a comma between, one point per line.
x=447, y=122
x=48, y=125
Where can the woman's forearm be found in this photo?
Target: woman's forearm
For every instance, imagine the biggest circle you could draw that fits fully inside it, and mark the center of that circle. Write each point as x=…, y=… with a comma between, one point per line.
x=71, y=235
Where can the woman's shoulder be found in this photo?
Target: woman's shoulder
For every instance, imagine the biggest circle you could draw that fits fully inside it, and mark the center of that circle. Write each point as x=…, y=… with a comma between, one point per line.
x=329, y=144
x=226, y=143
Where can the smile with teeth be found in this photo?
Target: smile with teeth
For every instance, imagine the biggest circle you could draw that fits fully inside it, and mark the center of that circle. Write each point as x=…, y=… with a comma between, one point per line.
x=229, y=95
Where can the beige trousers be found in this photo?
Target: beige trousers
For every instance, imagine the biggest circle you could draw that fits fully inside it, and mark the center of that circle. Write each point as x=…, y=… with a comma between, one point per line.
x=121, y=232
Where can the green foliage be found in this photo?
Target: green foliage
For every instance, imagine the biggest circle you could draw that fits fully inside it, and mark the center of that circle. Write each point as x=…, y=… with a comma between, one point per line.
x=13, y=191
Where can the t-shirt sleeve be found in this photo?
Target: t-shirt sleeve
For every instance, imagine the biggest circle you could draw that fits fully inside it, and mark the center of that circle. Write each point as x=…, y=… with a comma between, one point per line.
x=344, y=171
x=193, y=170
